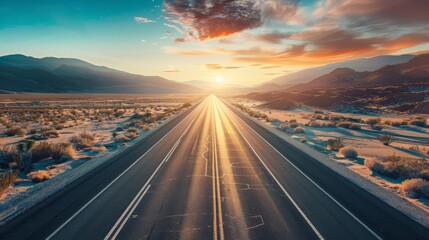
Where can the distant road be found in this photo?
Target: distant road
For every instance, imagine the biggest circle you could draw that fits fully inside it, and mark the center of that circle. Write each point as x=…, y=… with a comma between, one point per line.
x=213, y=174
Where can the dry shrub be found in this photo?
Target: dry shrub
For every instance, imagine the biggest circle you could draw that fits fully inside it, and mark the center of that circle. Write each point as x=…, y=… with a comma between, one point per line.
x=373, y=121
x=395, y=167
x=7, y=179
x=132, y=130
x=83, y=140
x=349, y=152
x=299, y=130
x=293, y=124
x=131, y=135
x=13, y=131
x=40, y=151
x=62, y=152
x=344, y=124
x=39, y=176
x=10, y=153
x=334, y=118
x=395, y=124
x=335, y=144
x=416, y=187
x=121, y=138
x=355, y=126
x=420, y=122
x=377, y=127
x=386, y=139
x=283, y=127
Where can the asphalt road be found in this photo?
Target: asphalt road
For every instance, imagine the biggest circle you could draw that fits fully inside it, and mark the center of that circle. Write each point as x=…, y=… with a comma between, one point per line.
x=213, y=174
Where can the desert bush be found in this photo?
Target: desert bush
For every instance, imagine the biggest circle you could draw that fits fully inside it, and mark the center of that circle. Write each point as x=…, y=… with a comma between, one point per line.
x=315, y=124
x=98, y=149
x=132, y=130
x=10, y=154
x=283, y=127
x=62, y=152
x=416, y=187
x=293, y=125
x=395, y=124
x=119, y=129
x=334, y=118
x=418, y=122
x=121, y=138
x=299, y=130
x=335, y=144
x=344, y=124
x=303, y=139
x=386, y=139
x=377, y=127
x=355, y=126
x=39, y=176
x=40, y=151
x=395, y=167
x=131, y=135
x=384, y=168
x=348, y=152
x=318, y=117
x=7, y=179
x=13, y=131
x=47, y=133
x=83, y=140
x=26, y=145
x=373, y=121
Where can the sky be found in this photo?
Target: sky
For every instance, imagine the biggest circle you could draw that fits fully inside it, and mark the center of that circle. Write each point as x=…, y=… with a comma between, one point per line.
x=244, y=42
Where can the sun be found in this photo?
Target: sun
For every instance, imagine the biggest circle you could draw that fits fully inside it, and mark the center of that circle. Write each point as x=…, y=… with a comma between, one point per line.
x=219, y=79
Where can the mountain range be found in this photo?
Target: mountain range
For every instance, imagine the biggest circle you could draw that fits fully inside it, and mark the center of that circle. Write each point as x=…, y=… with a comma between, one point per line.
x=402, y=87
x=360, y=65
x=19, y=73
x=414, y=71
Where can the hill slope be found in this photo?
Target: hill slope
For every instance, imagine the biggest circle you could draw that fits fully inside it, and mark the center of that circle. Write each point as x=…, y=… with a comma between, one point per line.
x=19, y=73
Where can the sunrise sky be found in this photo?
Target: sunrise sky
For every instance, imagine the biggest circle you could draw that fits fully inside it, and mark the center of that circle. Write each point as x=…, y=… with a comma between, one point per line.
x=243, y=41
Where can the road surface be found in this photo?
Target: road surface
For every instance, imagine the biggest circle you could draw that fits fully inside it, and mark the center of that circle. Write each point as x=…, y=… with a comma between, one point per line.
x=213, y=174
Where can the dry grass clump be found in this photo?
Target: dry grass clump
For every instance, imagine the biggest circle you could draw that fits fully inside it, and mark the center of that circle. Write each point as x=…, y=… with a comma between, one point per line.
x=395, y=167
x=344, y=124
x=335, y=144
x=9, y=154
x=299, y=130
x=386, y=139
x=349, y=152
x=418, y=121
x=415, y=188
x=83, y=140
x=62, y=152
x=39, y=176
x=283, y=127
x=40, y=151
x=316, y=123
x=7, y=179
x=14, y=131
x=355, y=126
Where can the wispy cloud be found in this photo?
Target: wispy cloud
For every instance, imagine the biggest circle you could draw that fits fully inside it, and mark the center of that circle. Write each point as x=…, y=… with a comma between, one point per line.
x=142, y=20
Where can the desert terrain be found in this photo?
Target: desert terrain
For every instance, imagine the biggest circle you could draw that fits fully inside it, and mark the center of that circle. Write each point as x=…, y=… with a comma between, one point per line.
x=44, y=135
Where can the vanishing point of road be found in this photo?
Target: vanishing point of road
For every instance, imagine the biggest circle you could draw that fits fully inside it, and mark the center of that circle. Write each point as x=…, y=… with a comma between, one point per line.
x=212, y=173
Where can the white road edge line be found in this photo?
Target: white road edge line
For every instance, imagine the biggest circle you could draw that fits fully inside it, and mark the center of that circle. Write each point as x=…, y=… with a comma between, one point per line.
x=283, y=189
x=114, y=180
x=135, y=202
x=319, y=187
